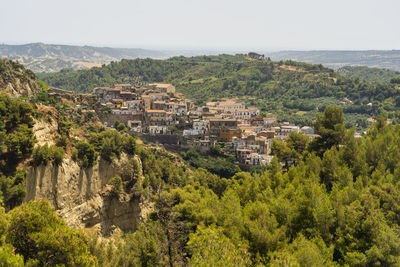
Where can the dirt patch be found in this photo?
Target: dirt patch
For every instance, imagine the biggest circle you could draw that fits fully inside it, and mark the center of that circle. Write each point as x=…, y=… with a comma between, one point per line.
x=87, y=64
x=292, y=68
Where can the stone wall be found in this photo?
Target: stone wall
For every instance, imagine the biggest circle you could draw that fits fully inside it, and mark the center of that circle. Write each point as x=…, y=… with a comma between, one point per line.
x=110, y=119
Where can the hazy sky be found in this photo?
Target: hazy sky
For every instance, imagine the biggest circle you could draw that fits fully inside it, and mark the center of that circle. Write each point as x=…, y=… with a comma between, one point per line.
x=229, y=24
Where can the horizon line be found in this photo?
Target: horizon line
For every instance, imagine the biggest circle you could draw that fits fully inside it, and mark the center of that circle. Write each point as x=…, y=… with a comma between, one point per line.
x=226, y=49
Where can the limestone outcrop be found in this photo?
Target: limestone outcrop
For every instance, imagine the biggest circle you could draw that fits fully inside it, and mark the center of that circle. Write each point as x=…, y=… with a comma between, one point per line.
x=80, y=196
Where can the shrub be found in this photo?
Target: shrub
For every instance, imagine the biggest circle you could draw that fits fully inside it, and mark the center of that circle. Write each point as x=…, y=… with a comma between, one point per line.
x=86, y=154
x=111, y=143
x=61, y=141
x=43, y=239
x=43, y=154
x=40, y=155
x=130, y=145
x=57, y=154
x=116, y=183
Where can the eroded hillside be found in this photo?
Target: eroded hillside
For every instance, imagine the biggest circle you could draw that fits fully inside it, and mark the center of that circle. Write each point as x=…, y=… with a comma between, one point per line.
x=17, y=81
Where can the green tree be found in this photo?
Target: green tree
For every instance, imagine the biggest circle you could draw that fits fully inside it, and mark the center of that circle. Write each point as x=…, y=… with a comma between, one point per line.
x=331, y=128
x=284, y=153
x=298, y=142
x=9, y=258
x=38, y=234
x=304, y=252
x=116, y=186
x=13, y=189
x=210, y=247
x=86, y=154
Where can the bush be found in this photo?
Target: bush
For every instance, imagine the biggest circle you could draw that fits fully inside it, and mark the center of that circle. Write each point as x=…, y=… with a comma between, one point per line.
x=44, y=239
x=44, y=154
x=64, y=126
x=61, y=141
x=111, y=143
x=120, y=126
x=57, y=154
x=13, y=189
x=116, y=183
x=130, y=145
x=9, y=258
x=40, y=155
x=86, y=154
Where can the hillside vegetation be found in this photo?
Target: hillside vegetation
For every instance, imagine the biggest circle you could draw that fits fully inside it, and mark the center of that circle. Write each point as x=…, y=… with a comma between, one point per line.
x=295, y=91
x=368, y=74
x=331, y=201
x=338, y=205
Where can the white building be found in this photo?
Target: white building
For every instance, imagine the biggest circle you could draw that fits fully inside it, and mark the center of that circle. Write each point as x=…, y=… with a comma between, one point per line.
x=246, y=113
x=226, y=106
x=259, y=159
x=201, y=125
x=157, y=129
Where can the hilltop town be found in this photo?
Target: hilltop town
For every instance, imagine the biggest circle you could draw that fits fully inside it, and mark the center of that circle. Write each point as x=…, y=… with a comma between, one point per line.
x=157, y=113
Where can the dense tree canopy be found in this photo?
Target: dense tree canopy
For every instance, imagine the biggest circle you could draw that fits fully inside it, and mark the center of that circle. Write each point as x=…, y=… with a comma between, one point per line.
x=337, y=205
x=368, y=74
x=16, y=144
x=330, y=127
x=43, y=239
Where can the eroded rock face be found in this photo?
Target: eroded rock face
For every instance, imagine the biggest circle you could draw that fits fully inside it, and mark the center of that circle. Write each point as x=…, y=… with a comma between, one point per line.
x=79, y=196
x=18, y=89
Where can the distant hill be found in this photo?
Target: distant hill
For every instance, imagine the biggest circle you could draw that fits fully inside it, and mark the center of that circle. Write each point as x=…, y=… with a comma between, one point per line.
x=384, y=59
x=17, y=81
x=41, y=57
x=368, y=74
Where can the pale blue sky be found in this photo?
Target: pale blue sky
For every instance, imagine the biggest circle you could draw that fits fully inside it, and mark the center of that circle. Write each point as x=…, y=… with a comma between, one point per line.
x=229, y=24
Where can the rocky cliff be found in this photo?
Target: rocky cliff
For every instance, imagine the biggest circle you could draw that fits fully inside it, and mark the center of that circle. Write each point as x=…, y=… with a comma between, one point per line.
x=17, y=81
x=81, y=196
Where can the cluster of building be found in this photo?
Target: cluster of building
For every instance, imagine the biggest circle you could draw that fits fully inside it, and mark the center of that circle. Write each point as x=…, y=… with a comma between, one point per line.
x=159, y=113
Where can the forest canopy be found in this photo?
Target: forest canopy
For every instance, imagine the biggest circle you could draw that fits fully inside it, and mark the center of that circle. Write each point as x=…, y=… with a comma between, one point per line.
x=336, y=203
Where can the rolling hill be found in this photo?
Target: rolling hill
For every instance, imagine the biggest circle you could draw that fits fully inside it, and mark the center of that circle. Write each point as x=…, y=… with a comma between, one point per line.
x=41, y=57
x=384, y=59
x=368, y=74
x=295, y=91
